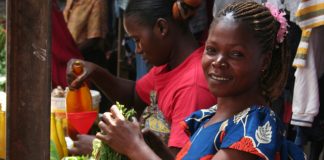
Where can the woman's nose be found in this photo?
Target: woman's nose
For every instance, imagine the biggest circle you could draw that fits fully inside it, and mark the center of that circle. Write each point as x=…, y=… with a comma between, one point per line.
x=220, y=62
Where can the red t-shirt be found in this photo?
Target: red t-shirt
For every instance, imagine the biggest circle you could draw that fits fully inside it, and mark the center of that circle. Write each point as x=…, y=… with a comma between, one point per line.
x=180, y=92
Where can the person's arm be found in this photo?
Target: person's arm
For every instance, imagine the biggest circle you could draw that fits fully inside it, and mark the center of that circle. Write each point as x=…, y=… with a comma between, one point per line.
x=231, y=154
x=174, y=150
x=114, y=88
x=157, y=145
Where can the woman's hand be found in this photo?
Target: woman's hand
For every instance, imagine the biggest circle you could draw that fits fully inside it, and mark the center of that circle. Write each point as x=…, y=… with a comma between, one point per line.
x=121, y=135
x=83, y=145
x=74, y=80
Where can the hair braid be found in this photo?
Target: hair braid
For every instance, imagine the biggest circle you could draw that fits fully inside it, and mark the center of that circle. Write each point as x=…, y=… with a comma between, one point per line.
x=185, y=9
x=265, y=28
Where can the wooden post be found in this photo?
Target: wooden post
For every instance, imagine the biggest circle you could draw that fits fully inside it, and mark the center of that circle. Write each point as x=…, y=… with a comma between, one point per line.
x=28, y=79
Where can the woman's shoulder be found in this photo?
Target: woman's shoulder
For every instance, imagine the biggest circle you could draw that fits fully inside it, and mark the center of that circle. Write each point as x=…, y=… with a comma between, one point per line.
x=257, y=110
x=202, y=114
x=198, y=118
x=255, y=130
x=257, y=115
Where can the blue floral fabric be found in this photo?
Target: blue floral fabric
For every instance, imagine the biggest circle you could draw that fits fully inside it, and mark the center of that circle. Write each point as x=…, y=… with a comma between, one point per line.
x=255, y=130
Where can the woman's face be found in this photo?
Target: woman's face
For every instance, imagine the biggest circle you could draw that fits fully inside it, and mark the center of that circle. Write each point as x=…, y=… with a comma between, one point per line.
x=232, y=60
x=148, y=42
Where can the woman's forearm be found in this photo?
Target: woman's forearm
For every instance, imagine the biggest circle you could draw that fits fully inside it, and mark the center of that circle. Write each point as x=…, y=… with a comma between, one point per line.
x=116, y=89
x=143, y=152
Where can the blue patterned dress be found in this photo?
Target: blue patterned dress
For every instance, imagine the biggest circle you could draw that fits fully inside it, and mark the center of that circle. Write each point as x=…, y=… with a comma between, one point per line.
x=255, y=130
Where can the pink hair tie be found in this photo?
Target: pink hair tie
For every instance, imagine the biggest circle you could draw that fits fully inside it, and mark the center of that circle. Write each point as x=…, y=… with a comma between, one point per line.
x=280, y=17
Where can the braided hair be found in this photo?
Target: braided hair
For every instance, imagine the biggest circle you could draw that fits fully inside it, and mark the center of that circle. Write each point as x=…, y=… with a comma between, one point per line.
x=148, y=11
x=265, y=28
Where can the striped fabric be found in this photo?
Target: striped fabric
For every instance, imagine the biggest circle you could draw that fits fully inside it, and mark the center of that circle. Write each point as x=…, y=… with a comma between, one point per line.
x=300, y=59
x=310, y=14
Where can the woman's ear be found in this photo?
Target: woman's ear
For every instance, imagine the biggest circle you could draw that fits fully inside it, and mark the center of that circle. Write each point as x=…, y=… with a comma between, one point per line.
x=161, y=27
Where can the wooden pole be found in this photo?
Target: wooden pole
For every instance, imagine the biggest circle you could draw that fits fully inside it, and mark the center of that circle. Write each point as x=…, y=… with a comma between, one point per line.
x=28, y=79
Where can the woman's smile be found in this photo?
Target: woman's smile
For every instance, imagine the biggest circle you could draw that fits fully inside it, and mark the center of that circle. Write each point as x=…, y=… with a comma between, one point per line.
x=221, y=78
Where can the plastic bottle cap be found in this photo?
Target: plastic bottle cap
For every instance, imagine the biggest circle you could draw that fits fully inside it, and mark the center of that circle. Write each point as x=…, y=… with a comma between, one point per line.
x=77, y=67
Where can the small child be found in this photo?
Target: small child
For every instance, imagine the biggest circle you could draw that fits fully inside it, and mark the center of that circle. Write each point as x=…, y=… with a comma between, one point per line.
x=245, y=63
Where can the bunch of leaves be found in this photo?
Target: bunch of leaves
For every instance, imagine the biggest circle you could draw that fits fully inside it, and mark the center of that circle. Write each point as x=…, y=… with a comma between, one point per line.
x=78, y=158
x=53, y=152
x=2, y=57
x=101, y=151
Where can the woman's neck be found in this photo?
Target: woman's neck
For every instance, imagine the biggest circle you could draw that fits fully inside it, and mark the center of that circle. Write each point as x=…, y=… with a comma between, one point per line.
x=182, y=48
x=230, y=106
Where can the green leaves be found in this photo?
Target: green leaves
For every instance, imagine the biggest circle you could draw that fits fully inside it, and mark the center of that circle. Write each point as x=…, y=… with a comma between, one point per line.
x=127, y=113
x=102, y=151
x=78, y=158
x=2, y=58
x=53, y=152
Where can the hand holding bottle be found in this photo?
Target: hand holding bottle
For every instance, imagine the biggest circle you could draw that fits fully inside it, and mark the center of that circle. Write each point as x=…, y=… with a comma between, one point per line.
x=78, y=100
x=75, y=80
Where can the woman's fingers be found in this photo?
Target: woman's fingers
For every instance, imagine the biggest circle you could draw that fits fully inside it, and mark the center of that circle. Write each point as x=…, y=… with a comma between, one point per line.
x=75, y=81
x=103, y=137
x=135, y=121
x=108, y=119
x=117, y=113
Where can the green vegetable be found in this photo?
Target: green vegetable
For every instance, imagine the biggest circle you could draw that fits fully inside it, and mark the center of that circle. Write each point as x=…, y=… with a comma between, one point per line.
x=102, y=151
x=78, y=158
x=53, y=152
x=2, y=58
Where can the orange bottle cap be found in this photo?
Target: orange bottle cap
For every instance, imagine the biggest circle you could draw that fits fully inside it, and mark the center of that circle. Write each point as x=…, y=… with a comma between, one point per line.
x=77, y=67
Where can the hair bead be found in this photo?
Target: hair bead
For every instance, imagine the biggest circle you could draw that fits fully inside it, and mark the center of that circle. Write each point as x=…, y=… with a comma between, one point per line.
x=184, y=9
x=193, y=3
x=176, y=11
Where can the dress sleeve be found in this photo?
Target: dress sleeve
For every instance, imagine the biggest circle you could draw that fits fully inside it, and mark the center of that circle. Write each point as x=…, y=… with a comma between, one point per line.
x=255, y=131
x=186, y=101
x=192, y=123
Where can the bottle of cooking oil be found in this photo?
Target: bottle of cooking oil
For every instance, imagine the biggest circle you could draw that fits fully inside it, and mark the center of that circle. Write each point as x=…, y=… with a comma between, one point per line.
x=77, y=100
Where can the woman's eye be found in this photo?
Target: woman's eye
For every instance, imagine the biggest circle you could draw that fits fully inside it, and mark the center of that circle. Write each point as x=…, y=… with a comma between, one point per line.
x=210, y=51
x=236, y=54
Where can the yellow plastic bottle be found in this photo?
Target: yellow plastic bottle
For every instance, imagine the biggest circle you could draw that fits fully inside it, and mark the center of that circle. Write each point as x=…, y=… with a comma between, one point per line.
x=78, y=100
x=61, y=135
x=54, y=136
x=2, y=133
x=58, y=106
